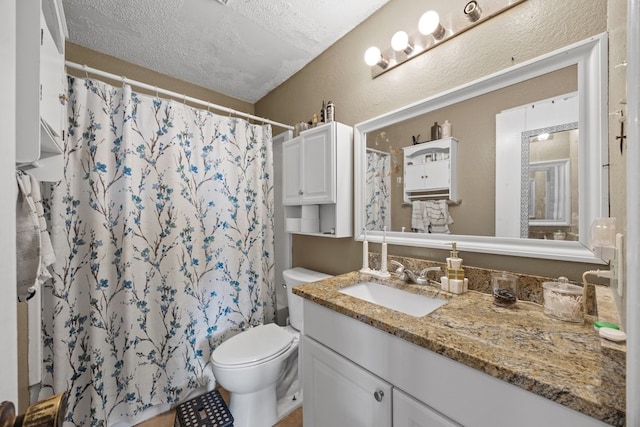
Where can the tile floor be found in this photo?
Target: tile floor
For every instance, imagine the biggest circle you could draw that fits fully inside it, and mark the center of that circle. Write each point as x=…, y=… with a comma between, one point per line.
x=168, y=419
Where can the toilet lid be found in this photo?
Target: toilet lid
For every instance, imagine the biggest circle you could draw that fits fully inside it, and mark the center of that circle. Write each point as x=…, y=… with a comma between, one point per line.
x=252, y=345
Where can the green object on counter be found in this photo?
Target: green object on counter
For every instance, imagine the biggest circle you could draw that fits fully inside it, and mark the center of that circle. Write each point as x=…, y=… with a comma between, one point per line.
x=597, y=325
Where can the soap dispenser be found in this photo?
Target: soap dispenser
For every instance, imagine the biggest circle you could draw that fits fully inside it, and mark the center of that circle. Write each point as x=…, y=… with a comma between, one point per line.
x=454, y=281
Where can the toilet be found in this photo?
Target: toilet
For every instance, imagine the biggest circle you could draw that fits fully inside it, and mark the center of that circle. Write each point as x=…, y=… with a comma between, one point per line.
x=251, y=364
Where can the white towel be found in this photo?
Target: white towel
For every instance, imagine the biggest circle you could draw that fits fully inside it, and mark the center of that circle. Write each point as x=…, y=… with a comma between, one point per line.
x=431, y=216
x=34, y=252
x=417, y=217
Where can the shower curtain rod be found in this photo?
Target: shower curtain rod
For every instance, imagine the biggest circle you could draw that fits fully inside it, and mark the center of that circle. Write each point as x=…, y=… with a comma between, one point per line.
x=177, y=95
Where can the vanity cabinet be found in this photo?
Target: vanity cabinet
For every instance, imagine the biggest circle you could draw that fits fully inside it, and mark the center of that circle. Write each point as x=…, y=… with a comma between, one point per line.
x=41, y=84
x=428, y=389
x=430, y=167
x=409, y=412
x=317, y=170
x=340, y=393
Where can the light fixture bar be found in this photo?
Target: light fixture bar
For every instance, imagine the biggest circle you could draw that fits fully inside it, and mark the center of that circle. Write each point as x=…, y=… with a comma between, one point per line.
x=457, y=22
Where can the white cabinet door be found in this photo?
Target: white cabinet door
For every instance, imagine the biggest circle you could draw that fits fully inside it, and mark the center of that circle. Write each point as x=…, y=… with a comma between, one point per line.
x=409, y=412
x=338, y=392
x=309, y=169
x=428, y=176
x=52, y=81
x=292, y=171
x=318, y=166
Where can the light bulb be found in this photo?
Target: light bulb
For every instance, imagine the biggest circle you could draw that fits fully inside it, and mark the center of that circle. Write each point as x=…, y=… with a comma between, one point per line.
x=372, y=56
x=429, y=22
x=400, y=41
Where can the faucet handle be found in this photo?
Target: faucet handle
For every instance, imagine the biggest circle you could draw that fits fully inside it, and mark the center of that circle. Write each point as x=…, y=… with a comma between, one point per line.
x=425, y=271
x=423, y=279
x=400, y=267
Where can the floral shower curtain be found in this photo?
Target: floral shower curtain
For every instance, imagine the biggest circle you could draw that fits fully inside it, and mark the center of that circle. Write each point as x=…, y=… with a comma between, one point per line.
x=163, y=231
x=378, y=191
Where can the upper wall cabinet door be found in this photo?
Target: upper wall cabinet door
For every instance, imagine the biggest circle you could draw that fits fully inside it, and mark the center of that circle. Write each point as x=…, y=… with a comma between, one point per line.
x=53, y=84
x=309, y=172
x=41, y=83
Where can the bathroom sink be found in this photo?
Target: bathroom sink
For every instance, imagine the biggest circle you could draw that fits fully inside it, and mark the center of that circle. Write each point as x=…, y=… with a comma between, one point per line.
x=393, y=298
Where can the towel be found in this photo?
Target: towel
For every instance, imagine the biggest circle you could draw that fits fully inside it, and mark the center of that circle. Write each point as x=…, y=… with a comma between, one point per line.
x=34, y=252
x=431, y=216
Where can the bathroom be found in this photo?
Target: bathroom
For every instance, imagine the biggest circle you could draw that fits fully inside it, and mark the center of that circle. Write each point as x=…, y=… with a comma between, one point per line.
x=534, y=27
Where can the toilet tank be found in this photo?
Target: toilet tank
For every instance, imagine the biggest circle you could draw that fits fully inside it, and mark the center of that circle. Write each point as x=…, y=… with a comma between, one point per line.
x=296, y=276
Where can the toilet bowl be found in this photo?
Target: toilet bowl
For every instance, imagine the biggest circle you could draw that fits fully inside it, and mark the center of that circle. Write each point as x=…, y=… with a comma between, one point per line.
x=250, y=364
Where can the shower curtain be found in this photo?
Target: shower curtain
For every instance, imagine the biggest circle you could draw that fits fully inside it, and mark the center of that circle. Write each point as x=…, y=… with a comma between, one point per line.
x=163, y=232
x=378, y=191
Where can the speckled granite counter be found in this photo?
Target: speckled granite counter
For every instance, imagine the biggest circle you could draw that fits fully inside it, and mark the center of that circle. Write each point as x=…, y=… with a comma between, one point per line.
x=564, y=362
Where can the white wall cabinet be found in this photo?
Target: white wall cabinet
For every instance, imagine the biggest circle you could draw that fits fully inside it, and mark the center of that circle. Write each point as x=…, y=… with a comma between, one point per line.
x=317, y=177
x=430, y=167
x=310, y=168
x=41, y=85
x=429, y=389
x=338, y=392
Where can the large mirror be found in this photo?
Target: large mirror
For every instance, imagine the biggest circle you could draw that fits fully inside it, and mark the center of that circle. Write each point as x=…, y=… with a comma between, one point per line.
x=488, y=209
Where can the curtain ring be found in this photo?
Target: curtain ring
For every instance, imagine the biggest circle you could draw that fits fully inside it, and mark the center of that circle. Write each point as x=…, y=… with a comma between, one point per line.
x=86, y=70
x=156, y=89
x=208, y=106
x=124, y=81
x=184, y=99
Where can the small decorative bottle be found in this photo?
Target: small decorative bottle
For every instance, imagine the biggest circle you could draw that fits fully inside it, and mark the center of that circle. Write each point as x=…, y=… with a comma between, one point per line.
x=436, y=131
x=330, y=112
x=446, y=129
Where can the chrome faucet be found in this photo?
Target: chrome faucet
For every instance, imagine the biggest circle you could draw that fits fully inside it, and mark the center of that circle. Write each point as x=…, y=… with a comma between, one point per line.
x=409, y=276
x=404, y=273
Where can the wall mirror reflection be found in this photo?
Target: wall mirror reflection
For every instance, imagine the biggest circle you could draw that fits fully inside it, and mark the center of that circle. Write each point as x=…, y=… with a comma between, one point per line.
x=549, y=207
x=489, y=118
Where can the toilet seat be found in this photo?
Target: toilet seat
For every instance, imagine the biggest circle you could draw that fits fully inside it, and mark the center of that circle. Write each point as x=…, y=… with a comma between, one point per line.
x=253, y=346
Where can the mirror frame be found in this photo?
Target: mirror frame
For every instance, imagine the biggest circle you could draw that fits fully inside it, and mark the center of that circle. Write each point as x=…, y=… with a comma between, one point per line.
x=590, y=56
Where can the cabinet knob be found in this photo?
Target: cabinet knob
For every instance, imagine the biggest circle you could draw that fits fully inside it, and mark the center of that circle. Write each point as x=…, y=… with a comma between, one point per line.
x=300, y=192
x=63, y=97
x=378, y=395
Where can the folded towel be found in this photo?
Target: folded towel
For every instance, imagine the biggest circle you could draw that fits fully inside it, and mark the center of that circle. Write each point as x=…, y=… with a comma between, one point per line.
x=417, y=217
x=430, y=216
x=437, y=216
x=34, y=252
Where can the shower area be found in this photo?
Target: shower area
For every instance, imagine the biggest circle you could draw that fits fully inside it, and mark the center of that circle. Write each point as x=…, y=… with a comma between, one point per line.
x=163, y=229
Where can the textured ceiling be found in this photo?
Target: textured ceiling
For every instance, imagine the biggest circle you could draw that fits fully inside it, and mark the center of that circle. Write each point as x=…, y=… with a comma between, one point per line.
x=243, y=49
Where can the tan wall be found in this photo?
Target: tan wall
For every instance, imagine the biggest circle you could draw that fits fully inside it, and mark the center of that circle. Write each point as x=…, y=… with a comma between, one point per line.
x=339, y=74
x=110, y=64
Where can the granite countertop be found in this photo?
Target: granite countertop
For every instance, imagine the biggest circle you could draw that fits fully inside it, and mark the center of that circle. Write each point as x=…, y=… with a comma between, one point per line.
x=564, y=362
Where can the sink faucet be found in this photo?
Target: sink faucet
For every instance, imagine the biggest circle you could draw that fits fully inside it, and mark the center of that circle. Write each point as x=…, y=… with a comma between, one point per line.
x=404, y=273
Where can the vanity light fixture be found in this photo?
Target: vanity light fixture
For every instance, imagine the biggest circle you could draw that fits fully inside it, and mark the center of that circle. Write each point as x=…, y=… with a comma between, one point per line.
x=433, y=30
